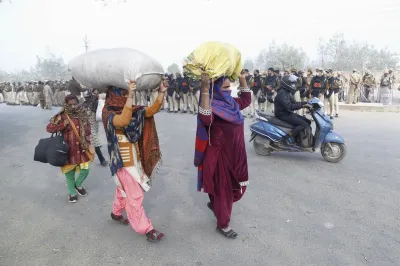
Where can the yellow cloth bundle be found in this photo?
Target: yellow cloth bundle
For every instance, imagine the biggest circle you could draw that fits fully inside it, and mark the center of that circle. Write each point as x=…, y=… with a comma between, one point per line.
x=216, y=59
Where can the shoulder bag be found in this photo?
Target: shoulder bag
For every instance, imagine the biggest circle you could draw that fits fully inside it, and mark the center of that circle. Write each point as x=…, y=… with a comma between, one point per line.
x=90, y=151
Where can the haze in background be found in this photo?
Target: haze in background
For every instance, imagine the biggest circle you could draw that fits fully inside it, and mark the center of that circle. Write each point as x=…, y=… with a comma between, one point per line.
x=170, y=30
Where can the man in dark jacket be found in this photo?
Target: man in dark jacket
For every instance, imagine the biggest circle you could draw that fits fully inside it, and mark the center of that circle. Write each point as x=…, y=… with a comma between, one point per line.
x=285, y=107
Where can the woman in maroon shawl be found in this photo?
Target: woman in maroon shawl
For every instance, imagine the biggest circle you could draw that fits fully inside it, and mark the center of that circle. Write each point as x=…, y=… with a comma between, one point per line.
x=220, y=148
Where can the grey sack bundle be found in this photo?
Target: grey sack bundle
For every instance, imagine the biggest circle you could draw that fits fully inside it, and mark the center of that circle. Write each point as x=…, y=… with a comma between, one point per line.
x=115, y=67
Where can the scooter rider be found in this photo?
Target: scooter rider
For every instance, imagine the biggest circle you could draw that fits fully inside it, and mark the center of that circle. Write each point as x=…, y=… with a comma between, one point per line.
x=285, y=107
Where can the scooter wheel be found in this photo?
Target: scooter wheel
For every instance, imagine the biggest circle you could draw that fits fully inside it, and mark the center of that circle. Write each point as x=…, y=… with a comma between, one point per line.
x=335, y=153
x=261, y=146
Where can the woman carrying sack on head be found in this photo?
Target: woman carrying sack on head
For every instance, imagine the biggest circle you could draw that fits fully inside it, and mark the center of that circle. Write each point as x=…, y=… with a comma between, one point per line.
x=90, y=104
x=220, y=152
x=72, y=121
x=134, y=154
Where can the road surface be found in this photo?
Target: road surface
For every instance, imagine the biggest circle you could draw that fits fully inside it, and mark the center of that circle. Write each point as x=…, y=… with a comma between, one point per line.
x=298, y=209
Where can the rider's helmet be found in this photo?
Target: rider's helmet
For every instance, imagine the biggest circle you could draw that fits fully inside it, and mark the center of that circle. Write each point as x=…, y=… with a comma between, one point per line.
x=289, y=82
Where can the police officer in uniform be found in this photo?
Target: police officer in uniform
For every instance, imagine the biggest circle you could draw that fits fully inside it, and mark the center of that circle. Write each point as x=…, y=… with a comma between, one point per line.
x=178, y=95
x=172, y=87
x=329, y=91
x=297, y=98
x=194, y=87
x=184, y=88
x=318, y=85
x=355, y=80
x=42, y=98
x=256, y=86
x=271, y=85
x=392, y=78
x=368, y=82
x=303, y=90
x=343, y=82
x=385, y=95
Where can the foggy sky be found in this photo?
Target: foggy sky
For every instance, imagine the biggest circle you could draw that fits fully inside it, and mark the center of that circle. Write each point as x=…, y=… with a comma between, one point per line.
x=170, y=29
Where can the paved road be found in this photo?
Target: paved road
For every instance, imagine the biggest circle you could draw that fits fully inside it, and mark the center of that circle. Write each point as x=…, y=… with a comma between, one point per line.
x=298, y=210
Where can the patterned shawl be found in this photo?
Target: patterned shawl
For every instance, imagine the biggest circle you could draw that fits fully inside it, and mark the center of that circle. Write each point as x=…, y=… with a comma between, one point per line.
x=225, y=107
x=91, y=102
x=77, y=113
x=140, y=129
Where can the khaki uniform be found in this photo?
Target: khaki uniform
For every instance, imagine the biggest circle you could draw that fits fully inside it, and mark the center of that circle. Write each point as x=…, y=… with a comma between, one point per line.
x=342, y=88
x=385, y=93
x=392, y=79
x=368, y=85
x=195, y=86
x=355, y=80
x=48, y=94
x=256, y=91
x=334, y=98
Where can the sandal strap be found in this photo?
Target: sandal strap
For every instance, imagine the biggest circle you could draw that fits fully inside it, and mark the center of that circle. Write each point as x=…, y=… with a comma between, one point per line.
x=229, y=234
x=154, y=234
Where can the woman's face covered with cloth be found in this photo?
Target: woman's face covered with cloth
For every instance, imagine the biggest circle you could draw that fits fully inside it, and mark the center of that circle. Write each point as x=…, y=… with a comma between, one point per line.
x=226, y=85
x=72, y=103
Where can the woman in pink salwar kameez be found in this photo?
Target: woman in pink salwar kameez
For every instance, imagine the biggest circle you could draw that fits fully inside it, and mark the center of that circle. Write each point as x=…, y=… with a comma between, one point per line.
x=220, y=148
x=134, y=155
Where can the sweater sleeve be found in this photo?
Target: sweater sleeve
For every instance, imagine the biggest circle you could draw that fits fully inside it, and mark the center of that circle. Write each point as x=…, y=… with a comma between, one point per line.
x=206, y=119
x=152, y=110
x=57, y=126
x=123, y=119
x=244, y=100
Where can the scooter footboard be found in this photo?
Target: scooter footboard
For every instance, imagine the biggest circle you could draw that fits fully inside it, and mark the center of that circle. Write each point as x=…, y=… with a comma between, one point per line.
x=267, y=130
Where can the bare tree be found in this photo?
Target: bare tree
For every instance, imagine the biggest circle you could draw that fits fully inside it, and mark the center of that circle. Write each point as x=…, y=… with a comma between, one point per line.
x=262, y=60
x=322, y=51
x=339, y=54
x=248, y=64
x=284, y=56
x=52, y=67
x=173, y=69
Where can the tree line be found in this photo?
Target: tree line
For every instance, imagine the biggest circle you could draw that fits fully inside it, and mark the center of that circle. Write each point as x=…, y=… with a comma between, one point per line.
x=336, y=53
x=51, y=67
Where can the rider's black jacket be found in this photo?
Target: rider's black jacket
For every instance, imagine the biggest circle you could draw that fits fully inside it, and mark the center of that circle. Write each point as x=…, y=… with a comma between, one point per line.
x=284, y=105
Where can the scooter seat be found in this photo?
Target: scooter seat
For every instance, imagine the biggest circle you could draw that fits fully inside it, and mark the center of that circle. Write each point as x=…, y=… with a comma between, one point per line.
x=275, y=121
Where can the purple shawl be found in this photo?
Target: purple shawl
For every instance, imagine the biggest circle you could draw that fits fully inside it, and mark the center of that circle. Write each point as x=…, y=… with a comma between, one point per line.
x=225, y=107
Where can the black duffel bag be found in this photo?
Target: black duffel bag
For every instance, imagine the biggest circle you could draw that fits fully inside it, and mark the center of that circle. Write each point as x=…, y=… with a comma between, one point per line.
x=53, y=150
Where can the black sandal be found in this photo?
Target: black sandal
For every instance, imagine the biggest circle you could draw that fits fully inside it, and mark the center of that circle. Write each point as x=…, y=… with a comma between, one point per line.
x=154, y=236
x=119, y=218
x=229, y=234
